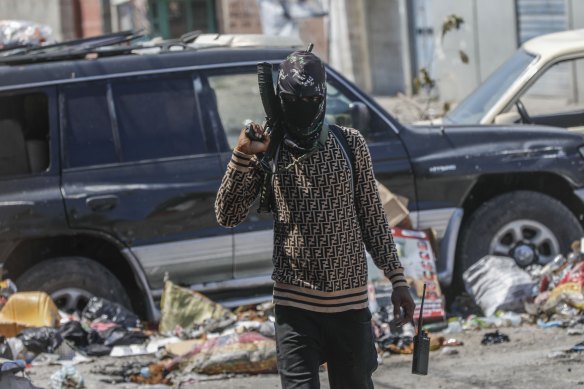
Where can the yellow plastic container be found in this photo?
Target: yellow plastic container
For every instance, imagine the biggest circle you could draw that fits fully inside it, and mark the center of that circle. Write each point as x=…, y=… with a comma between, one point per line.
x=25, y=310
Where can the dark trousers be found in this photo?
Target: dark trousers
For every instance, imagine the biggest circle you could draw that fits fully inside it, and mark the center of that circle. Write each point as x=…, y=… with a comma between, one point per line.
x=306, y=339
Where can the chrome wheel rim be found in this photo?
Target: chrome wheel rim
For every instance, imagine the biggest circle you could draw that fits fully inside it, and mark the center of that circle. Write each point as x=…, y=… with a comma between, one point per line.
x=71, y=299
x=526, y=241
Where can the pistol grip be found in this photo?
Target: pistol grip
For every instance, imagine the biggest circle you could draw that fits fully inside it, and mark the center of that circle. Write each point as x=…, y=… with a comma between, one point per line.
x=251, y=134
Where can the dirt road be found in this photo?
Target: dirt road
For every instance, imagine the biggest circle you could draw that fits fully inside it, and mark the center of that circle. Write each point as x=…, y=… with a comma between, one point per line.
x=524, y=362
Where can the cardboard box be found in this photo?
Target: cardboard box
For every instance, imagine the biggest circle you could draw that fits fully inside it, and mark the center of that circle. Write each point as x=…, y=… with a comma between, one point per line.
x=417, y=257
x=395, y=207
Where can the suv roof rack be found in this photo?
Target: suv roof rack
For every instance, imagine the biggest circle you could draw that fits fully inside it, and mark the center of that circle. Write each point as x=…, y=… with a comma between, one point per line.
x=124, y=43
x=73, y=49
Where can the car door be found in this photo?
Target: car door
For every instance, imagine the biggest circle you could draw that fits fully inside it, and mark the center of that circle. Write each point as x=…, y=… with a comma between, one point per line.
x=139, y=167
x=231, y=99
x=31, y=205
x=350, y=107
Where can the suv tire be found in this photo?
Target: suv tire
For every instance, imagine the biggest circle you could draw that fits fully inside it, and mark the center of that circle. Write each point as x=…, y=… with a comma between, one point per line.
x=72, y=281
x=514, y=212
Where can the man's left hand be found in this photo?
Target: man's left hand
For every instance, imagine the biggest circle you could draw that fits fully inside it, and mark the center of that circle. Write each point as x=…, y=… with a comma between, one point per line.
x=401, y=298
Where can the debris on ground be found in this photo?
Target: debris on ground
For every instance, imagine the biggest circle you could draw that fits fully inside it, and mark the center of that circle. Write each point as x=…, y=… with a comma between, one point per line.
x=27, y=310
x=494, y=338
x=497, y=283
x=67, y=378
x=186, y=313
x=9, y=378
x=198, y=339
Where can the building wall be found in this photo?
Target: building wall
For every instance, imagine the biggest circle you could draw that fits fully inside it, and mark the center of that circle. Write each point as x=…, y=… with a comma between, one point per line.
x=243, y=16
x=495, y=19
x=313, y=30
x=238, y=16
x=339, y=49
x=488, y=36
x=387, y=46
x=90, y=18
x=356, y=11
x=576, y=9
x=45, y=12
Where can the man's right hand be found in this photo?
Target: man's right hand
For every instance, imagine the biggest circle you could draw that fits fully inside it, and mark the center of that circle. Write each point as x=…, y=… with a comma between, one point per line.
x=251, y=147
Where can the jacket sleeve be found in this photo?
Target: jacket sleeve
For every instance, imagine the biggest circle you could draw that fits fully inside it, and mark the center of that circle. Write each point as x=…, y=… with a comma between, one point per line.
x=239, y=188
x=372, y=219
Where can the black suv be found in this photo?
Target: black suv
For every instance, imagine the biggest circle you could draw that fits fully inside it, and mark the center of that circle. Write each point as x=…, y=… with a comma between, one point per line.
x=109, y=169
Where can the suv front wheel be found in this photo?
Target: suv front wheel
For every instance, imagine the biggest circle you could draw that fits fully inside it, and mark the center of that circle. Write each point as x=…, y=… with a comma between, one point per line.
x=72, y=281
x=529, y=227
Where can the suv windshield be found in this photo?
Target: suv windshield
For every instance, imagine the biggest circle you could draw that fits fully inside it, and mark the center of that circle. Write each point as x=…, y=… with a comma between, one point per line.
x=474, y=107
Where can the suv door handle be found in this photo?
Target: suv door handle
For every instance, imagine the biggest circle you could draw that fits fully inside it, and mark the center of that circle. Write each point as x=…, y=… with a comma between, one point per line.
x=102, y=203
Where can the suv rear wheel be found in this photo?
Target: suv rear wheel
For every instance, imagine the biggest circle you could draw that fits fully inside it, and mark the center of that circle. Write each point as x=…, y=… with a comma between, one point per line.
x=72, y=281
x=530, y=227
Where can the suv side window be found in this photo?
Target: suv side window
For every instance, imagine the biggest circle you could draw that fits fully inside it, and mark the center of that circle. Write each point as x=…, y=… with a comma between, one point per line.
x=338, y=111
x=24, y=133
x=157, y=117
x=87, y=126
x=236, y=98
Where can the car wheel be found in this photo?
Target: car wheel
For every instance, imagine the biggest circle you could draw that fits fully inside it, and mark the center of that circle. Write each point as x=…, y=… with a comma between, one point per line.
x=72, y=281
x=530, y=227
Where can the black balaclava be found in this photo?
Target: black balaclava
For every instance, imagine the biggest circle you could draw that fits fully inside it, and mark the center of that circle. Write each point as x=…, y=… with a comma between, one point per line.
x=302, y=74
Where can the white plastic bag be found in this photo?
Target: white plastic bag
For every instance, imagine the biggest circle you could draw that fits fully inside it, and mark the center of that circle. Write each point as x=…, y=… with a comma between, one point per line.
x=497, y=283
x=15, y=32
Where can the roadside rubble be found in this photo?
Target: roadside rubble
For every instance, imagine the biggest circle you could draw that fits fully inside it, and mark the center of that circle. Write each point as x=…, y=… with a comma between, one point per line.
x=197, y=339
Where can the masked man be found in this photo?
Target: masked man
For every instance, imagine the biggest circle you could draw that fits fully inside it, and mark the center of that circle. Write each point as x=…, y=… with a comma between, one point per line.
x=325, y=211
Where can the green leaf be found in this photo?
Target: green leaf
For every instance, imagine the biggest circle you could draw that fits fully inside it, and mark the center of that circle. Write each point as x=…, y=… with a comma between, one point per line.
x=445, y=107
x=426, y=79
x=463, y=56
x=451, y=22
x=416, y=86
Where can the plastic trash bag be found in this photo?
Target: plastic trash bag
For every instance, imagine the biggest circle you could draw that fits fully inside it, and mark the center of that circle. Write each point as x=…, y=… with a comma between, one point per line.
x=497, y=283
x=570, y=293
x=119, y=336
x=7, y=289
x=5, y=349
x=67, y=377
x=74, y=332
x=100, y=308
x=41, y=340
x=11, y=381
x=12, y=367
x=494, y=338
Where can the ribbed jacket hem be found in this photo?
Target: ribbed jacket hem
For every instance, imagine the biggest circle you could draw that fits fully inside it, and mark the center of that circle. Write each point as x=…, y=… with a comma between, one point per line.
x=319, y=301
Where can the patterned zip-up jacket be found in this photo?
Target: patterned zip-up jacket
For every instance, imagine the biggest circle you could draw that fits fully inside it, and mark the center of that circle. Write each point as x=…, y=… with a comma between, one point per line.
x=322, y=219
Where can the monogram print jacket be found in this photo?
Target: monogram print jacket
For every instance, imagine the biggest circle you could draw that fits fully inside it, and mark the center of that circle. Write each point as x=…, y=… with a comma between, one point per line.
x=324, y=219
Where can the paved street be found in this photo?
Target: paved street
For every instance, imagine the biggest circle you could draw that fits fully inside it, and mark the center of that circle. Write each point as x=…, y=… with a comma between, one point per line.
x=524, y=362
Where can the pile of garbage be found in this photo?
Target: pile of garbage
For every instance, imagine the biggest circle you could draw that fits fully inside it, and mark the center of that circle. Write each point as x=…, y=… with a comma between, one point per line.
x=195, y=337
x=499, y=294
x=552, y=294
